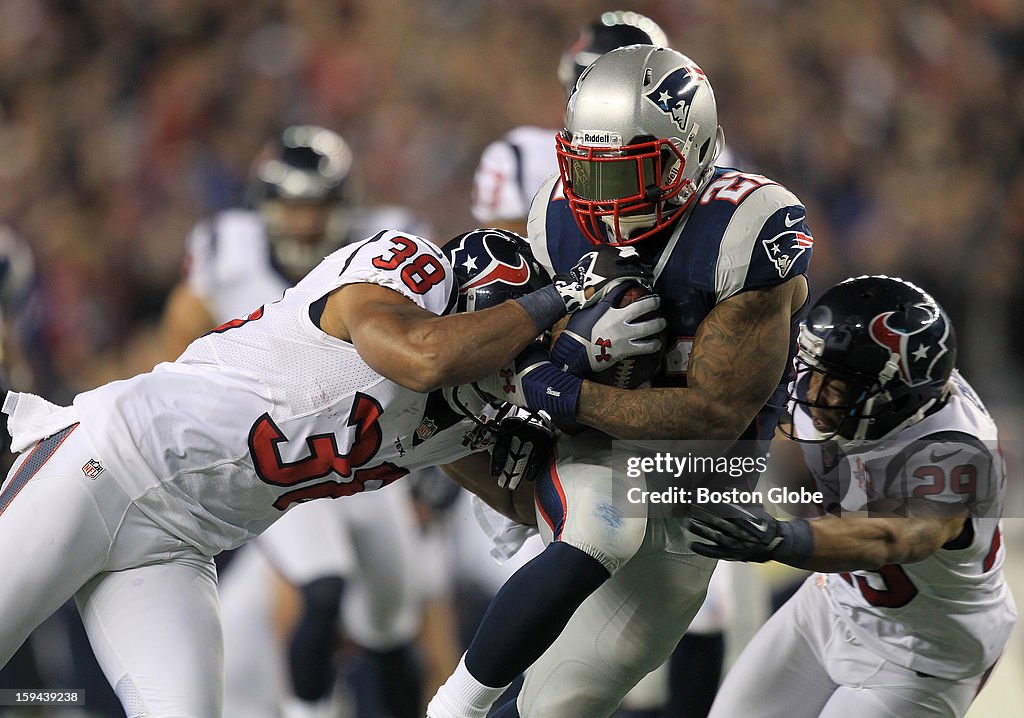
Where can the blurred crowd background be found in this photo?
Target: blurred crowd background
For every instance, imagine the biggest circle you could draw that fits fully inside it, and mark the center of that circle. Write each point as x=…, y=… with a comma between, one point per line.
x=900, y=123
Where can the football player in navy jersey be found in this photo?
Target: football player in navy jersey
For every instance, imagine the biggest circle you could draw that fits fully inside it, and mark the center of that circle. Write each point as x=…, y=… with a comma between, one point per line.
x=612, y=593
x=510, y=171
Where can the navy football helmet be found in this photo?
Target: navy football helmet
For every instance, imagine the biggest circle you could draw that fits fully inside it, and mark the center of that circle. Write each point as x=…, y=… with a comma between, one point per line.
x=875, y=354
x=491, y=266
x=613, y=29
x=302, y=185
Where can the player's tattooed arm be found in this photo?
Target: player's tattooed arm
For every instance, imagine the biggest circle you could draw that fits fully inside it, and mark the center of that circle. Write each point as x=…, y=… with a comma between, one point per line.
x=738, y=358
x=420, y=350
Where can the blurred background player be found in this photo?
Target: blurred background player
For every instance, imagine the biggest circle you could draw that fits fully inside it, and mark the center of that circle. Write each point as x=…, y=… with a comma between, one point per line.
x=354, y=559
x=909, y=609
x=510, y=172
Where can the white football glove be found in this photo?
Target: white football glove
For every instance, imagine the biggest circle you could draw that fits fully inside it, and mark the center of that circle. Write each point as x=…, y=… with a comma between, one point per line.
x=603, y=335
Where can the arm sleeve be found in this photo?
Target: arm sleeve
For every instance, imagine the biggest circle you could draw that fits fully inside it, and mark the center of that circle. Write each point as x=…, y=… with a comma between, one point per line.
x=767, y=242
x=405, y=263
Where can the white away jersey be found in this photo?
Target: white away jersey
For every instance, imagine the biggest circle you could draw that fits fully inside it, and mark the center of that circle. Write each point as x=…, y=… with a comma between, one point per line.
x=267, y=411
x=951, y=614
x=229, y=263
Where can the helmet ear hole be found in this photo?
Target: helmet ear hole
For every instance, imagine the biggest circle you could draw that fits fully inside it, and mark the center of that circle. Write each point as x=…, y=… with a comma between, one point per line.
x=703, y=153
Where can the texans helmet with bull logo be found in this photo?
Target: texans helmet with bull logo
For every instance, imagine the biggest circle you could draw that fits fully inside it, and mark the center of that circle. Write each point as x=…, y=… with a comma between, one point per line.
x=891, y=345
x=491, y=266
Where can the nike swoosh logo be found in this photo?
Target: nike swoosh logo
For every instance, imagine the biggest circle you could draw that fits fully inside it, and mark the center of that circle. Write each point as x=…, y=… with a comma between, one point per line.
x=937, y=457
x=790, y=222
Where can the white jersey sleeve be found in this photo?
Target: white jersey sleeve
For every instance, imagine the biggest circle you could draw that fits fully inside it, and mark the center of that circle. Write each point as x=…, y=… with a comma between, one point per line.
x=408, y=264
x=510, y=172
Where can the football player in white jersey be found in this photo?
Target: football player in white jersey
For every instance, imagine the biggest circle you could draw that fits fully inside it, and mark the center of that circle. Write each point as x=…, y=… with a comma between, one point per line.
x=122, y=499
x=304, y=206
x=909, y=610
x=616, y=587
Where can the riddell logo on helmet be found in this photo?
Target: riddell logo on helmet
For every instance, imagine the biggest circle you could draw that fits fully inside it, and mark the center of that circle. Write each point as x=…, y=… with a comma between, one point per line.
x=597, y=137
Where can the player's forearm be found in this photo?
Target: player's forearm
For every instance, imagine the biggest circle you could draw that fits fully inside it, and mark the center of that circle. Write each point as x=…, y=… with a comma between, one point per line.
x=851, y=544
x=460, y=348
x=473, y=474
x=739, y=355
x=659, y=413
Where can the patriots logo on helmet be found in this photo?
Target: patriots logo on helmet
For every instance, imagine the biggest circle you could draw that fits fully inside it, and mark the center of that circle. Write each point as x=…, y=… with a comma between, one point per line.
x=675, y=92
x=916, y=356
x=785, y=248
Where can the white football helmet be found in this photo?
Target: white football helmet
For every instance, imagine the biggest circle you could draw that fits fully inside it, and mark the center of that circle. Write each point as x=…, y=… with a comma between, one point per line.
x=641, y=137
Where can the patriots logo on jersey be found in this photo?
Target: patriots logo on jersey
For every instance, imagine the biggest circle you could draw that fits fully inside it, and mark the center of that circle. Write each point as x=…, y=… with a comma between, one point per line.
x=675, y=92
x=785, y=248
x=918, y=355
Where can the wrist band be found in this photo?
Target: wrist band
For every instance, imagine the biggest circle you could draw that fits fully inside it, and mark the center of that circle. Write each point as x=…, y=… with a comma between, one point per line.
x=798, y=542
x=545, y=306
x=548, y=388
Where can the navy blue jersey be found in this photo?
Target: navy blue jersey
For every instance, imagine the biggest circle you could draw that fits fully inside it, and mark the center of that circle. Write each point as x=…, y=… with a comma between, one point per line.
x=744, y=231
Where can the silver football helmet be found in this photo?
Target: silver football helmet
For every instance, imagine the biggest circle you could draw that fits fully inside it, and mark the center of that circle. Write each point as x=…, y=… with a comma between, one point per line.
x=302, y=185
x=641, y=137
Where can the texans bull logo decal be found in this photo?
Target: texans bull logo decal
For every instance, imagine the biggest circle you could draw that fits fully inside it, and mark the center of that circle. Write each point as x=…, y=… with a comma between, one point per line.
x=915, y=362
x=511, y=270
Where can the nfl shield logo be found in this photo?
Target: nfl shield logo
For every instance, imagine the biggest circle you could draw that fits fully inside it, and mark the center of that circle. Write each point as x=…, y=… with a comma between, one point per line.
x=92, y=469
x=426, y=429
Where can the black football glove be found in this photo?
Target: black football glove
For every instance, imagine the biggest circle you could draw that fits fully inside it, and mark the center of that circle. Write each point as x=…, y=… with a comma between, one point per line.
x=524, y=443
x=601, y=270
x=751, y=535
